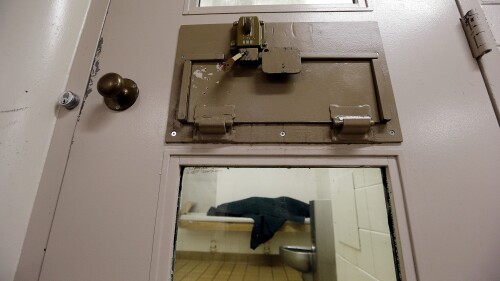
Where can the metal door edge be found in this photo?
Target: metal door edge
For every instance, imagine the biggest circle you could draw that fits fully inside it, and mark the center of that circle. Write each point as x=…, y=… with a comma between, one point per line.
x=42, y=214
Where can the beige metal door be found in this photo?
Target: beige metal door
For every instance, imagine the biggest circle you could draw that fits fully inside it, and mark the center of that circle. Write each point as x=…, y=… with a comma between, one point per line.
x=106, y=221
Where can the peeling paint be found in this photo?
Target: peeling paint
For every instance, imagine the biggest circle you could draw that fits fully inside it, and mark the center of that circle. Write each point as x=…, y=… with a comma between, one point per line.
x=95, y=68
x=14, y=110
x=198, y=74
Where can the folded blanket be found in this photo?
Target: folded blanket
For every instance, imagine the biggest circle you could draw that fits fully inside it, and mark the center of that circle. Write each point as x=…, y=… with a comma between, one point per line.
x=269, y=214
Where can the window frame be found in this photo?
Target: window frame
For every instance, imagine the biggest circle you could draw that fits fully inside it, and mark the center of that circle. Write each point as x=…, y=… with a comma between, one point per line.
x=191, y=7
x=174, y=159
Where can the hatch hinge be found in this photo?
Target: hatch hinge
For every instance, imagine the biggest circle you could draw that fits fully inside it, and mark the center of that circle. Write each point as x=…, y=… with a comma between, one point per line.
x=214, y=120
x=478, y=33
x=351, y=121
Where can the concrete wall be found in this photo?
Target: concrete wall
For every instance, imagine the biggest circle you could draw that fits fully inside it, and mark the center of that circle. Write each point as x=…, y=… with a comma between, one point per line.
x=38, y=42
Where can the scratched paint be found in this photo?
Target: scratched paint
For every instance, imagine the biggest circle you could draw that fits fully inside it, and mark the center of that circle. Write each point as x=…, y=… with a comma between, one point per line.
x=95, y=69
x=14, y=110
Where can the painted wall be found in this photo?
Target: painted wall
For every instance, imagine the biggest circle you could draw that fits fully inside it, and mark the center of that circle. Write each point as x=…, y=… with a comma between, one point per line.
x=38, y=42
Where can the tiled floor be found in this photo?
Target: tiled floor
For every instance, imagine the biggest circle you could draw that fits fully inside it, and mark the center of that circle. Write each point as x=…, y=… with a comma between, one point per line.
x=203, y=270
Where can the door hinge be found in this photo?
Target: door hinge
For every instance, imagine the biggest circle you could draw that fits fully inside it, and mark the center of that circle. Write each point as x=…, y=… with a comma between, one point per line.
x=478, y=33
x=214, y=120
x=351, y=120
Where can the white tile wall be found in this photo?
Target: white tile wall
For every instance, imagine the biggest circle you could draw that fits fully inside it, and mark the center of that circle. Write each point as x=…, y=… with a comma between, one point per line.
x=344, y=210
x=365, y=255
x=374, y=259
x=239, y=183
x=347, y=271
x=362, y=209
x=383, y=257
x=372, y=176
x=371, y=208
x=359, y=178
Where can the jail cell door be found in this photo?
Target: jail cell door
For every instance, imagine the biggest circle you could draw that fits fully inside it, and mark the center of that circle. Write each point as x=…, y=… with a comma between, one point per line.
x=104, y=224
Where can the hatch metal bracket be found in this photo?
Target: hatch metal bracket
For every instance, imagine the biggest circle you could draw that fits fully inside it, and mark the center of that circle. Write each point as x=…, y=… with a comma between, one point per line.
x=351, y=121
x=214, y=120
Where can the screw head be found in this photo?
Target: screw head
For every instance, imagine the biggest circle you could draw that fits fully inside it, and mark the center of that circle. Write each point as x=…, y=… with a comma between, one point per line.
x=282, y=133
x=392, y=132
x=173, y=134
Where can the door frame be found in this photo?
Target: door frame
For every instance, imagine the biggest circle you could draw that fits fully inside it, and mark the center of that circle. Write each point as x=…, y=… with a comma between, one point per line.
x=489, y=63
x=80, y=78
x=174, y=158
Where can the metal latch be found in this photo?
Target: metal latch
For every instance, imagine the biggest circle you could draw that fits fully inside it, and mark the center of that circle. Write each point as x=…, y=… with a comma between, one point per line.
x=351, y=120
x=478, y=33
x=214, y=119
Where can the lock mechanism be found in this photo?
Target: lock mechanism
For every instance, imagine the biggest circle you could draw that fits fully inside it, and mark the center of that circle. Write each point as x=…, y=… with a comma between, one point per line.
x=249, y=48
x=68, y=100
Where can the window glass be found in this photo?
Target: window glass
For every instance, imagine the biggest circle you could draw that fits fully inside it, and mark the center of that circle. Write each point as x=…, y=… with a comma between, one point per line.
x=251, y=224
x=218, y=3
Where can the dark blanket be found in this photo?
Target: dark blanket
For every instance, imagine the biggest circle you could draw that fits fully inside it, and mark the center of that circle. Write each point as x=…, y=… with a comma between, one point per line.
x=269, y=214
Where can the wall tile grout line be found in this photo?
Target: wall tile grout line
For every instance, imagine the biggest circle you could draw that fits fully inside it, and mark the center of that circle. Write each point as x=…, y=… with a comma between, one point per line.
x=373, y=231
x=356, y=266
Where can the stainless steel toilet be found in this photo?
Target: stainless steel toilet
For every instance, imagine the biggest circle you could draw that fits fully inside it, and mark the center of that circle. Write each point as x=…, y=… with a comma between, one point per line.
x=316, y=263
x=300, y=259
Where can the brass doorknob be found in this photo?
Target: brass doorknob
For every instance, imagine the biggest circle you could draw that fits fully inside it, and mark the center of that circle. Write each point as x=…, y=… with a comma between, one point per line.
x=119, y=93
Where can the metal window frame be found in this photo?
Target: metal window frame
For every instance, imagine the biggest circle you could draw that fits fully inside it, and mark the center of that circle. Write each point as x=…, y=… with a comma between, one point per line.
x=490, y=2
x=191, y=7
x=273, y=156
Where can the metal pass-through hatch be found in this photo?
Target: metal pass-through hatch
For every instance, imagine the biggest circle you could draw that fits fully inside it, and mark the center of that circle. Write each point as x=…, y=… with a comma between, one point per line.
x=256, y=82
